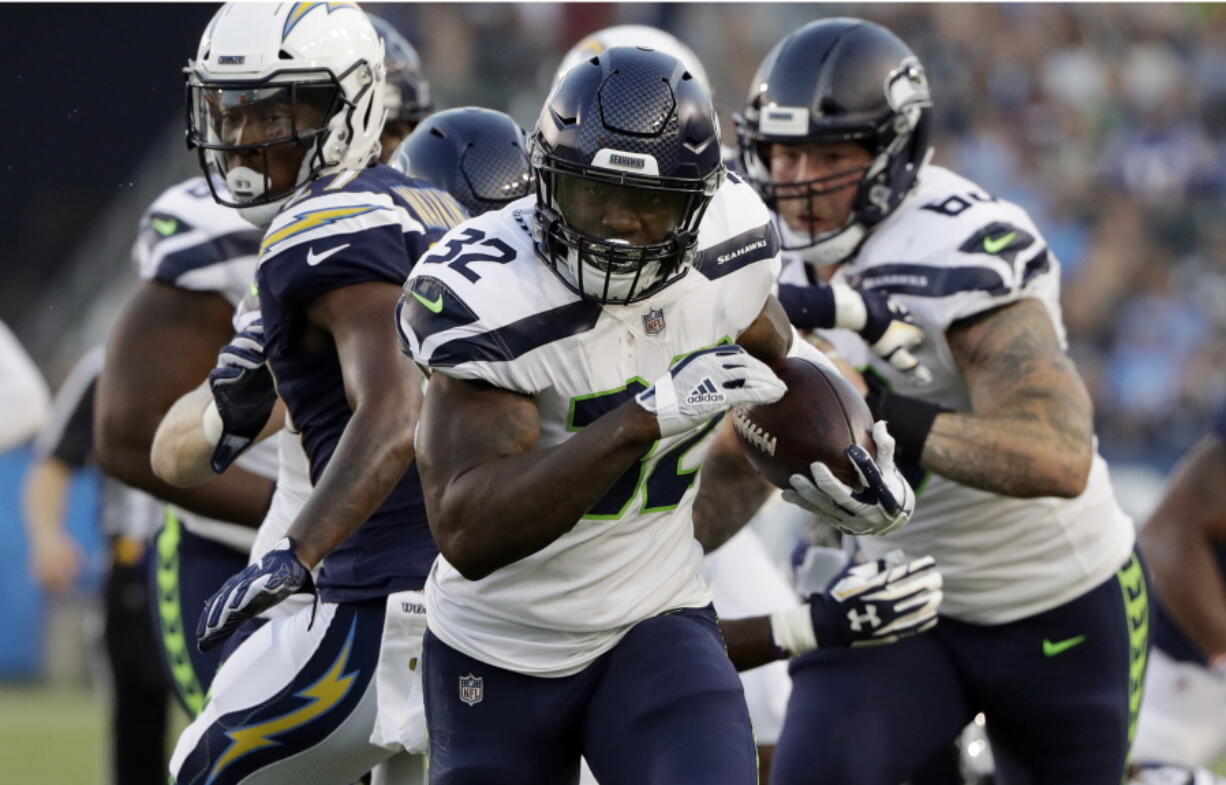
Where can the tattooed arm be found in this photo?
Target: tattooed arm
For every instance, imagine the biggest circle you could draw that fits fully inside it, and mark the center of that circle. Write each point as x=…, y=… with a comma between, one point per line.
x=1030, y=429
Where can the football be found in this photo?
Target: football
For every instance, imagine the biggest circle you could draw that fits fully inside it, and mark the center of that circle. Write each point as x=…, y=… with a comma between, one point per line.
x=819, y=417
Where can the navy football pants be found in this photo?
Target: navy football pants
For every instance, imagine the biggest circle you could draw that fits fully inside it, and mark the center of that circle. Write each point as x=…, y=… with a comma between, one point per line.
x=662, y=707
x=187, y=569
x=1060, y=690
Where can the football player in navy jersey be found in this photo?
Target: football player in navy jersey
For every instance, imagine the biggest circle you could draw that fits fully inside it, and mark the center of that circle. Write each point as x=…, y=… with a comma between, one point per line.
x=196, y=259
x=287, y=105
x=1183, y=716
x=1044, y=615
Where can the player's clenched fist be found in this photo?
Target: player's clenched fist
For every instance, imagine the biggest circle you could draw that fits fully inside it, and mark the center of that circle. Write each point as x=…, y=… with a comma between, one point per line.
x=706, y=383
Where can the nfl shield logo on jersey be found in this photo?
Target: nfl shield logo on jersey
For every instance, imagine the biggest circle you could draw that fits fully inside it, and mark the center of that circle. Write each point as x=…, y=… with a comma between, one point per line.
x=653, y=321
x=471, y=691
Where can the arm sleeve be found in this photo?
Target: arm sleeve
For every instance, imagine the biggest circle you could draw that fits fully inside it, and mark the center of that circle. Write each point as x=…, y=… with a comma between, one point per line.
x=808, y=307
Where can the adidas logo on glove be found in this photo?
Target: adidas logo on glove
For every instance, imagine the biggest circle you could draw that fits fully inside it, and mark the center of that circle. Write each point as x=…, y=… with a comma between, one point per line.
x=706, y=392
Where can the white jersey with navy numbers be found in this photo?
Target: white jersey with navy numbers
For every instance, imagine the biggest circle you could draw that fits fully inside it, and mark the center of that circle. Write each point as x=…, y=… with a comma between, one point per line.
x=951, y=251
x=483, y=306
x=190, y=241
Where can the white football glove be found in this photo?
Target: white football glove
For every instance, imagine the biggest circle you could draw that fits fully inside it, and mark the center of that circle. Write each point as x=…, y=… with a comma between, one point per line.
x=885, y=503
x=885, y=324
x=869, y=604
x=706, y=383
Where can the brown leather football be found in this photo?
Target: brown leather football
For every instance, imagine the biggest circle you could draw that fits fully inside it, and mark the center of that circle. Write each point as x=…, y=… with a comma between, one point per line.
x=819, y=417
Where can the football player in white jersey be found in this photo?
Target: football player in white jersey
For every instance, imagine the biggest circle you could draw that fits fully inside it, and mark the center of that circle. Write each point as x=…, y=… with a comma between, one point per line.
x=1044, y=622
x=582, y=343
x=744, y=581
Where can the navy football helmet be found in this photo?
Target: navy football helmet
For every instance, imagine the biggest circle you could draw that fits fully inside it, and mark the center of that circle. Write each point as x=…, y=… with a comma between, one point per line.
x=838, y=80
x=479, y=156
x=407, y=95
x=626, y=158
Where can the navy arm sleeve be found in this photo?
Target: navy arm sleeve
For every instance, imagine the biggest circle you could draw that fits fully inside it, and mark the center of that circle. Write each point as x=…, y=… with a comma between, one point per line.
x=808, y=307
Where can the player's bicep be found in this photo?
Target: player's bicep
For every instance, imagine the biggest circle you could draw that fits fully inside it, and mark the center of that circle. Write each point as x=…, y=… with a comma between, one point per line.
x=1011, y=359
x=770, y=334
x=164, y=343
x=465, y=424
x=358, y=317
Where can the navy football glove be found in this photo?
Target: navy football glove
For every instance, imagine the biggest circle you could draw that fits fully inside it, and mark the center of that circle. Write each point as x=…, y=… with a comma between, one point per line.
x=251, y=592
x=868, y=604
x=243, y=393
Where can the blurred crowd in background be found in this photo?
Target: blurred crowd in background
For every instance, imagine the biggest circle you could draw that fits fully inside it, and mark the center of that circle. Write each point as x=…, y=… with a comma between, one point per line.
x=1107, y=122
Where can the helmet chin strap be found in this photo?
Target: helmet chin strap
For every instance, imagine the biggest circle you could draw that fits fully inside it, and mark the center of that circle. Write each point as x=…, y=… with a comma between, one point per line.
x=827, y=249
x=261, y=215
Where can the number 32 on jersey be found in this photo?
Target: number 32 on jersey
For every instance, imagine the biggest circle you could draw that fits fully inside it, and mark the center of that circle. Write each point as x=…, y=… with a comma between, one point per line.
x=664, y=485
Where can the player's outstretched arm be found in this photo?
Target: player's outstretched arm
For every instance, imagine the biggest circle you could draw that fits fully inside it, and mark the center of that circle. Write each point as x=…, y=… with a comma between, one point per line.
x=492, y=497
x=165, y=341
x=182, y=453
x=1030, y=429
x=385, y=395
x=1178, y=542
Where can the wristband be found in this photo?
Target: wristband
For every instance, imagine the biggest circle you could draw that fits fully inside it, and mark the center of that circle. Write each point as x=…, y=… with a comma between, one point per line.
x=792, y=630
x=211, y=423
x=909, y=419
x=849, y=309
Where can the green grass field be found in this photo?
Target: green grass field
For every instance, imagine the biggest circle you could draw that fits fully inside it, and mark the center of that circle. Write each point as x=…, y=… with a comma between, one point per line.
x=56, y=736
x=52, y=736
